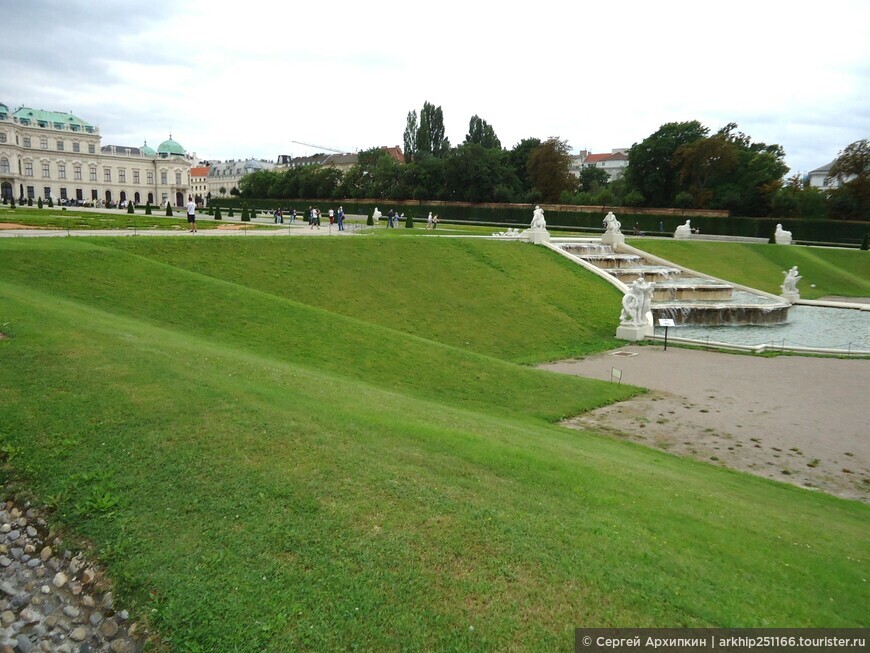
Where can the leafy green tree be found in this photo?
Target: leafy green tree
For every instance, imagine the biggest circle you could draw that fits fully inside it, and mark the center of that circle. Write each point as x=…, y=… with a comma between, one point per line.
x=549, y=169
x=482, y=133
x=410, y=137
x=651, y=169
x=234, y=191
x=852, y=169
x=592, y=179
x=473, y=172
x=703, y=163
x=519, y=160
x=431, y=139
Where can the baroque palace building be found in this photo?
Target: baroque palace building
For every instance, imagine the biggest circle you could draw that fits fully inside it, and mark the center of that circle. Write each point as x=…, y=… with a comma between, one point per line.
x=50, y=154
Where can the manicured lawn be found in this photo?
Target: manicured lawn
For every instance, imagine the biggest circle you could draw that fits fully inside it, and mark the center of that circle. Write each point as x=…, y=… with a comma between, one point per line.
x=834, y=271
x=54, y=218
x=271, y=468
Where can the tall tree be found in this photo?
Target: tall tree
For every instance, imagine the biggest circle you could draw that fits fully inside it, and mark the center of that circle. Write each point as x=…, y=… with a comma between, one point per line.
x=549, y=169
x=651, y=170
x=481, y=133
x=703, y=163
x=475, y=173
x=592, y=179
x=519, y=159
x=411, y=137
x=430, y=134
x=852, y=168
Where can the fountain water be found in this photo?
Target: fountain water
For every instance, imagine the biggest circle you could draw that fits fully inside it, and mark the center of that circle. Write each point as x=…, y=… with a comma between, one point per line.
x=684, y=299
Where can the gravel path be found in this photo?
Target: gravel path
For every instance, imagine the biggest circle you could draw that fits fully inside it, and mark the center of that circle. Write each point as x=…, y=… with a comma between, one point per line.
x=796, y=419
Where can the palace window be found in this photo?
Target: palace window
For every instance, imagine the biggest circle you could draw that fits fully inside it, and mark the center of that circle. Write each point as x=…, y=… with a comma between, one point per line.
x=77, y=172
x=46, y=173
x=31, y=192
x=4, y=165
x=107, y=174
x=43, y=143
x=163, y=178
x=28, y=168
x=177, y=178
x=135, y=176
x=93, y=173
x=150, y=178
x=122, y=176
x=77, y=147
x=2, y=137
x=61, y=171
x=26, y=141
x=59, y=145
x=91, y=148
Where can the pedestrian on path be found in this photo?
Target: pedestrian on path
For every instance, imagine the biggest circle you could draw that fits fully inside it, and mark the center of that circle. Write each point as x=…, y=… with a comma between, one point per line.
x=191, y=214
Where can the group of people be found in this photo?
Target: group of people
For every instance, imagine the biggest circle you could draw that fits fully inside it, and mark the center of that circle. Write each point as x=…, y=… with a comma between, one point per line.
x=432, y=221
x=279, y=216
x=335, y=217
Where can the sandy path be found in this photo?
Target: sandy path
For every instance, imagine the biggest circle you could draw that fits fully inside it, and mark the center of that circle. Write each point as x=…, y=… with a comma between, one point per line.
x=795, y=419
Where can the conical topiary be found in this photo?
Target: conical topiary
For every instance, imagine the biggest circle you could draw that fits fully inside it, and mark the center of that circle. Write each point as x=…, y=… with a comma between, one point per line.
x=230, y=213
x=39, y=203
x=50, y=203
x=217, y=213
x=168, y=209
x=409, y=222
x=129, y=207
x=865, y=244
x=148, y=208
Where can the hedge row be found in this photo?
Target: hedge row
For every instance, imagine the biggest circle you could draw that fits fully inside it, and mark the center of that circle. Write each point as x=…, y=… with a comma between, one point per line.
x=590, y=218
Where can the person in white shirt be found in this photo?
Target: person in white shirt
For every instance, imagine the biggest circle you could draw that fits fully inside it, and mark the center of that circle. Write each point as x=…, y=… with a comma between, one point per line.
x=191, y=214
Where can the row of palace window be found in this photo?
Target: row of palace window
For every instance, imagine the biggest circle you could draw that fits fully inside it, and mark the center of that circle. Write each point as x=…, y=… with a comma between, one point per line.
x=46, y=193
x=59, y=143
x=77, y=173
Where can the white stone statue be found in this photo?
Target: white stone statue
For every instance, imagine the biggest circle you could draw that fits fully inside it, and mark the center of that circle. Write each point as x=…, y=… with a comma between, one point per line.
x=611, y=224
x=789, y=285
x=781, y=236
x=376, y=215
x=684, y=230
x=636, y=303
x=538, y=221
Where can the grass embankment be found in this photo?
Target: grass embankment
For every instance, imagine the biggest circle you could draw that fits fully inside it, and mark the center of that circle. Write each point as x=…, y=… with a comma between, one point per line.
x=260, y=474
x=833, y=271
x=53, y=218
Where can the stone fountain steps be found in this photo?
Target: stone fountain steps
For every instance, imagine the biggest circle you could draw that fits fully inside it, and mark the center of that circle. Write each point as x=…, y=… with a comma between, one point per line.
x=692, y=300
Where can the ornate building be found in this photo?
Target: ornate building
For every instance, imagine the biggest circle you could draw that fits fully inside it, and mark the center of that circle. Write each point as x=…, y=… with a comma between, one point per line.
x=50, y=154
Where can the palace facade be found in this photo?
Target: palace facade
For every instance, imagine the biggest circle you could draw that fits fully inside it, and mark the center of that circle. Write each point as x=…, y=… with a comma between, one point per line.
x=51, y=154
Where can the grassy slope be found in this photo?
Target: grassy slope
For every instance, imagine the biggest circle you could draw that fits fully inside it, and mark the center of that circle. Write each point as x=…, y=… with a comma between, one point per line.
x=833, y=271
x=260, y=499
x=502, y=299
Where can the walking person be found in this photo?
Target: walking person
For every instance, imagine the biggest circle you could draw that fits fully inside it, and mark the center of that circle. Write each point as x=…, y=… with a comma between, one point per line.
x=292, y=215
x=331, y=217
x=429, y=221
x=191, y=214
x=340, y=217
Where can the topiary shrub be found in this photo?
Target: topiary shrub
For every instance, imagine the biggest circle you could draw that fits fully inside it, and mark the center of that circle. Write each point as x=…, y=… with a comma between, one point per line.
x=409, y=222
x=50, y=203
x=865, y=244
x=148, y=208
x=168, y=210
x=246, y=217
x=39, y=203
x=370, y=221
x=12, y=202
x=230, y=213
x=130, y=207
x=29, y=201
x=217, y=213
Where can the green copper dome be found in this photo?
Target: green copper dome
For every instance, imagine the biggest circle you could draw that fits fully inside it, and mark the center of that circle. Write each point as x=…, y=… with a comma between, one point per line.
x=170, y=147
x=148, y=151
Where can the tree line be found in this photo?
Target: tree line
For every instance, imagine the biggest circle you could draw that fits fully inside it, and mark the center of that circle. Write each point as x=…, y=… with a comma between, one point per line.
x=681, y=165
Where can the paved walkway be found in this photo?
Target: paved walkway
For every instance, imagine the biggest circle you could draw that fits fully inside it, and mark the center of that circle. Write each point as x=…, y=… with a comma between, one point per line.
x=795, y=419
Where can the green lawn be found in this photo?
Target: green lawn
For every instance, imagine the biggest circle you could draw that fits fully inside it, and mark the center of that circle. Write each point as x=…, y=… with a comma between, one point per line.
x=265, y=467
x=834, y=271
x=55, y=218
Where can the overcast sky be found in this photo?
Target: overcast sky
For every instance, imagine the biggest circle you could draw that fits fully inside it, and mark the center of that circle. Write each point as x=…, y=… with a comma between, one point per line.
x=247, y=78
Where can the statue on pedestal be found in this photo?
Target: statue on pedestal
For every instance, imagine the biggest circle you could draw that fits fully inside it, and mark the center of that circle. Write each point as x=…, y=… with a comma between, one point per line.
x=636, y=303
x=684, y=230
x=611, y=224
x=538, y=221
x=781, y=236
x=789, y=285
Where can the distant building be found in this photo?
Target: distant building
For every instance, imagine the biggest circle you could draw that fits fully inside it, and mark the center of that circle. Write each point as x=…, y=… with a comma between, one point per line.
x=341, y=161
x=57, y=155
x=226, y=175
x=819, y=178
x=613, y=163
x=199, y=184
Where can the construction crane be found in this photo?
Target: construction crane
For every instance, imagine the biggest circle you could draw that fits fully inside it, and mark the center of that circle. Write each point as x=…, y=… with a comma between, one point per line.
x=319, y=147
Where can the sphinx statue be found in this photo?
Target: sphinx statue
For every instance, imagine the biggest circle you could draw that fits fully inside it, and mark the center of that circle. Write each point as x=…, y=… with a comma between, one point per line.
x=781, y=236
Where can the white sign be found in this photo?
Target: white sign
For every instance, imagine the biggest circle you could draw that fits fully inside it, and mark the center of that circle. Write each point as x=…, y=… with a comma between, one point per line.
x=666, y=322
